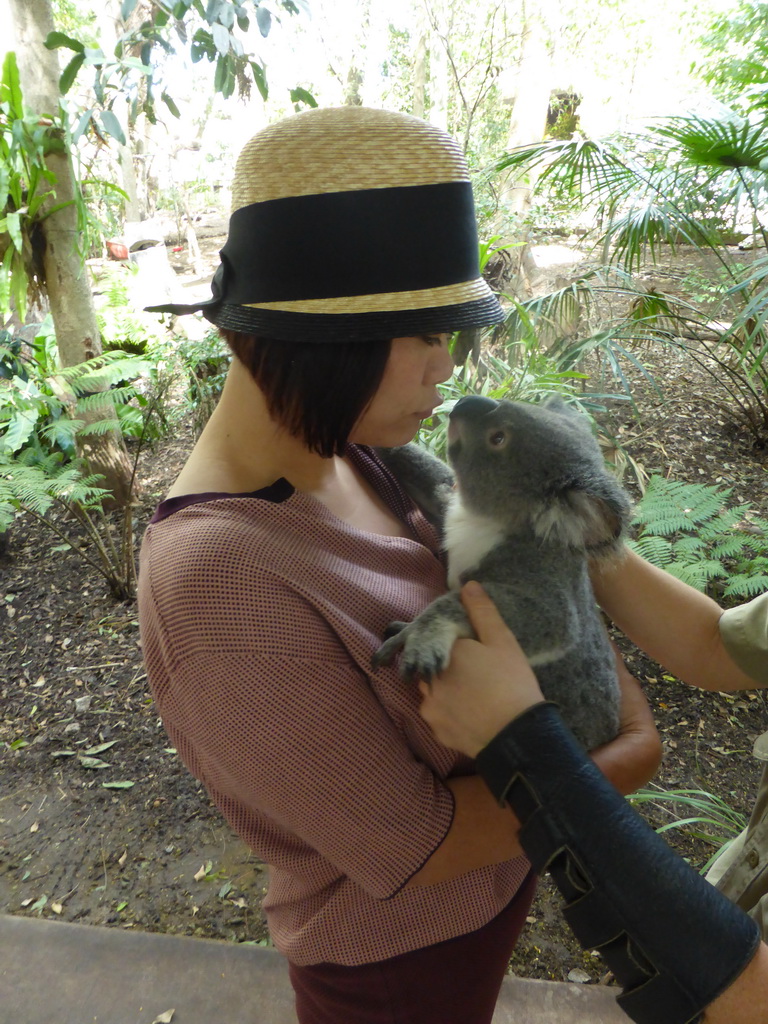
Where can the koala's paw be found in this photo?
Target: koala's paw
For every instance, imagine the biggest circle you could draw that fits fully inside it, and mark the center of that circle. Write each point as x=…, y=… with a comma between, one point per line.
x=426, y=648
x=394, y=641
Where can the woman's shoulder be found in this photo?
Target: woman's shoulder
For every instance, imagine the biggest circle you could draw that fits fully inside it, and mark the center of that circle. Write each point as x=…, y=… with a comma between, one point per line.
x=226, y=533
x=216, y=504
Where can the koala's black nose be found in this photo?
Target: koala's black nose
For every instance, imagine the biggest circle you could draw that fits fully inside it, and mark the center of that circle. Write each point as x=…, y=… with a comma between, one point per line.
x=473, y=406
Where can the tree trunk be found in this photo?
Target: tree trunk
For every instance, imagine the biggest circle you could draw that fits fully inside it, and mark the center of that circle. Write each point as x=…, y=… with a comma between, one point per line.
x=67, y=284
x=420, y=77
x=527, y=123
x=439, y=82
x=133, y=167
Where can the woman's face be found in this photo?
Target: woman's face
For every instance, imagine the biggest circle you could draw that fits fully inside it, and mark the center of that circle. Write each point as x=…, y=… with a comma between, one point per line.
x=407, y=393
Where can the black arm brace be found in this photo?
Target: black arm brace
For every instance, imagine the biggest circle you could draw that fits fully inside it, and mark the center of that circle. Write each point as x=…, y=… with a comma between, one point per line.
x=673, y=942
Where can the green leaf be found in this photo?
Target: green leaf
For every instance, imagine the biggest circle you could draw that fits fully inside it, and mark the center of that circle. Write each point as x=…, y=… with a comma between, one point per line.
x=220, y=75
x=13, y=227
x=56, y=39
x=300, y=95
x=56, y=208
x=226, y=15
x=260, y=78
x=168, y=101
x=112, y=126
x=141, y=66
x=12, y=86
x=220, y=38
x=202, y=45
x=263, y=20
x=82, y=125
x=118, y=785
x=100, y=748
x=69, y=74
x=92, y=762
x=127, y=8
x=19, y=430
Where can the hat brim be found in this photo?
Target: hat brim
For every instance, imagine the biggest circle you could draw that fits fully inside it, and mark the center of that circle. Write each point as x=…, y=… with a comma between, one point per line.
x=359, y=326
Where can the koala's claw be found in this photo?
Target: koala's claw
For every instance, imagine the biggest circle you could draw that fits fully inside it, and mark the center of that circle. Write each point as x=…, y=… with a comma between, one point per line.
x=425, y=651
x=393, y=629
x=386, y=653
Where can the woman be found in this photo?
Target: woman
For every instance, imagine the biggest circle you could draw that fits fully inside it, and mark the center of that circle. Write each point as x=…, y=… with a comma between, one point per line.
x=680, y=949
x=284, y=549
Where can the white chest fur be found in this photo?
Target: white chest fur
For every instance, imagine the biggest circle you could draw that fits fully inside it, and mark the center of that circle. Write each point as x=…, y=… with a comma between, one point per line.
x=468, y=537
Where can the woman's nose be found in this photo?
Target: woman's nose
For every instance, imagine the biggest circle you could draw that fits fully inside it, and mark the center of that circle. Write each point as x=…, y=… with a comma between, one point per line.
x=443, y=363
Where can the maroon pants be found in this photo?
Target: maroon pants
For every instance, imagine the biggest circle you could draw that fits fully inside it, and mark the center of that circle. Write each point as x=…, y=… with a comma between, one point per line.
x=452, y=982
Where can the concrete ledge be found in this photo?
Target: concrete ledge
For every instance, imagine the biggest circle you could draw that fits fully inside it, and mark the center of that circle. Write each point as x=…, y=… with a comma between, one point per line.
x=56, y=973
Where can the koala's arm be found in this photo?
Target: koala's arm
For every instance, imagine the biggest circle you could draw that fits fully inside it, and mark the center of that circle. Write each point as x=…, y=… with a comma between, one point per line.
x=544, y=626
x=425, y=479
x=426, y=643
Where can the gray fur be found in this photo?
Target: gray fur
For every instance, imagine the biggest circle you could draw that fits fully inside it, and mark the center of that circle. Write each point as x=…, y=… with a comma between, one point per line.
x=533, y=503
x=426, y=479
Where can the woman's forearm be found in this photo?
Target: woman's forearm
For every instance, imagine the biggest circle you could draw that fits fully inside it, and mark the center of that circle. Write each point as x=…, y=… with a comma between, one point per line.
x=671, y=622
x=481, y=833
x=633, y=758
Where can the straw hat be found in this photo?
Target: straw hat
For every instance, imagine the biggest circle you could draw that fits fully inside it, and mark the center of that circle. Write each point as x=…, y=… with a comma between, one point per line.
x=349, y=224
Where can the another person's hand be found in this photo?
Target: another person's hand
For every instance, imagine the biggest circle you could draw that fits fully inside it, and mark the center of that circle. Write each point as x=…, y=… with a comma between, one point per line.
x=487, y=683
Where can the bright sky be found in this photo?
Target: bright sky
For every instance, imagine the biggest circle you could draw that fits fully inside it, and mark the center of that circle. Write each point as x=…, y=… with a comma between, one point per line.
x=303, y=52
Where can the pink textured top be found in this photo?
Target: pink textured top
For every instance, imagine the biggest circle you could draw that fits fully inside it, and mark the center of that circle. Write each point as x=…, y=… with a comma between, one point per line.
x=259, y=614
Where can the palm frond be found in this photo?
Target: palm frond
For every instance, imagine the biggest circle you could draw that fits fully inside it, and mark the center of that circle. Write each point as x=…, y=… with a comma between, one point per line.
x=590, y=168
x=728, y=141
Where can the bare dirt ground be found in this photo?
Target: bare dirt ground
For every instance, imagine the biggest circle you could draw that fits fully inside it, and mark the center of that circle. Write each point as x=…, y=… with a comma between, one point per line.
x=100, y=823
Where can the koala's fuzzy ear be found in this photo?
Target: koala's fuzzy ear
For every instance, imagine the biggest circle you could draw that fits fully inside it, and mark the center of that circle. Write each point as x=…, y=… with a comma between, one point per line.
x=589, y=516
x=554, y=403
x=558, y=405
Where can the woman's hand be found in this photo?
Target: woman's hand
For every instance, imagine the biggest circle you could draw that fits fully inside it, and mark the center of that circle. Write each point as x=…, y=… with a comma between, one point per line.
x=633, y=758
x=487, y=683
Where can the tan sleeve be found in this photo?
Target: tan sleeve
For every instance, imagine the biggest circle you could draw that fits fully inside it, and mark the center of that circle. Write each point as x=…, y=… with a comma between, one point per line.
x=744, y=631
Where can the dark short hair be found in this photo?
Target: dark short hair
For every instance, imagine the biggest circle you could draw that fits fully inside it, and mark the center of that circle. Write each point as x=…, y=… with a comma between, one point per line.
x=317, y=392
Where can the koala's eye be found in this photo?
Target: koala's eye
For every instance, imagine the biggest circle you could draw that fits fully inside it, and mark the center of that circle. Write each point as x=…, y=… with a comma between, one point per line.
x=497, y=439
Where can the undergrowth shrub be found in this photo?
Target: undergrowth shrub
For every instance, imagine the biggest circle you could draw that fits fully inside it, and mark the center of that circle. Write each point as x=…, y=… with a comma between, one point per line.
x=59, y=494
x=204, y=364
x=691, y=531
x=706, y=817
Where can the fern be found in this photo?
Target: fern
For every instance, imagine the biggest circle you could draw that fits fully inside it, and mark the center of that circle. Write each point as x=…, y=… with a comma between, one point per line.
x=103, y=371
x=742, y=585
x=690, y=531
x=672, y=506
x=656, y=550
x=729, y=547
x=37, y=483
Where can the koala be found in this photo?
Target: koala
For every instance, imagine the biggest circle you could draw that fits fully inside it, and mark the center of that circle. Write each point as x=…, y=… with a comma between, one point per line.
x=532, y=504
